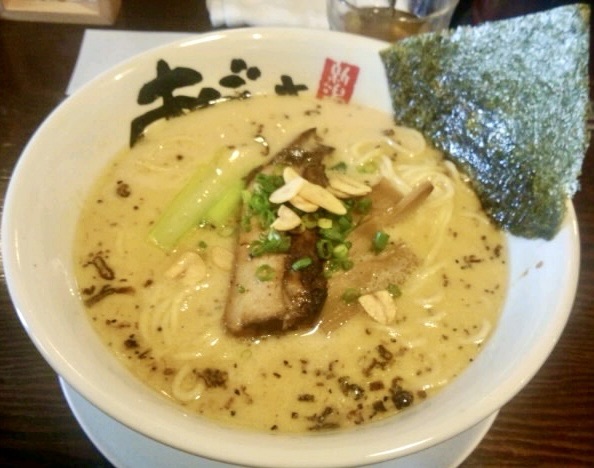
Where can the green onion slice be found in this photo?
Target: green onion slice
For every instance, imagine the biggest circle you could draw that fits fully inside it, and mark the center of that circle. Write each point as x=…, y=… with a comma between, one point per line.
x=380, y=241
x=302, y=263
x=265, y=273
x=350, y=295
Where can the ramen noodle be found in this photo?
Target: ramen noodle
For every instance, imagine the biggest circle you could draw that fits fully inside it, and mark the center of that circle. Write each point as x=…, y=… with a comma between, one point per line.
x=161, y=310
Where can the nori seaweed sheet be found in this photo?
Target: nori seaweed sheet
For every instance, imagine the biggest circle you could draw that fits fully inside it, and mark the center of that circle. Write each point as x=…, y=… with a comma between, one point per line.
x=507, y=101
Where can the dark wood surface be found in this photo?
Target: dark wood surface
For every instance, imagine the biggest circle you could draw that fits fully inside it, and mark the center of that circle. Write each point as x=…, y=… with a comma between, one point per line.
x=549, y=423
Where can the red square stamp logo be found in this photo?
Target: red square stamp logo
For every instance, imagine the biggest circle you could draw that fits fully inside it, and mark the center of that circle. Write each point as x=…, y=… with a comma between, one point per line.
x=338, y=80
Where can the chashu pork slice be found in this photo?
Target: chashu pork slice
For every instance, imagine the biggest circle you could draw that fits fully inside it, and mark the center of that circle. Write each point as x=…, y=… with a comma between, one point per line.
x=372, y=271
x=252, y=301
x=286, y=298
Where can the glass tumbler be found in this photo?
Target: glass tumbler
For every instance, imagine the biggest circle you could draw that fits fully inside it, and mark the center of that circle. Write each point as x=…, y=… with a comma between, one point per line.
x=390, y=20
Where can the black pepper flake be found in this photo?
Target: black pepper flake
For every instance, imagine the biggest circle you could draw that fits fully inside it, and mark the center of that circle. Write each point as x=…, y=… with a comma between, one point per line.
x=356, y=416
x=88, y=291
x=131, y=343
x=306, y=397
x=312, y=112
x=468, y=261
x=320, y=420
x=350, y=389
x=101, y=266
x=379, y=407
x=402, y=398
x=123, y=189
x=384, y=353
x=106, y=291
x=497, y=250
x=304, y=364
x=376, y=385
x=213, y=377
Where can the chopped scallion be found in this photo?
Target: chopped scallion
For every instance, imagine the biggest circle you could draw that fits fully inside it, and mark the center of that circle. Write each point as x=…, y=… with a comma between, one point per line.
x=340, y=167
x=325, y=223
x=350, y=295
x=380, y=241
x=257, y=201
x=340, y=251
x=270, y=242
x=324, y=248
x=302, y=263
x=362, y=205
x=265, y=273
x=394, y=290
x=309, y=220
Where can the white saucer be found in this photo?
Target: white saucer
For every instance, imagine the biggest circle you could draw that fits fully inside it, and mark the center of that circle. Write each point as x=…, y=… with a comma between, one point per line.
x=126, y=448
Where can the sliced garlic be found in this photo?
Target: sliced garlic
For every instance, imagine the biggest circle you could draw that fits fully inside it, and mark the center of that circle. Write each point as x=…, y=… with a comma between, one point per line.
x=287, y=191
x=380, y=306
x=287, y=219
x=222, y=258
x=338, y=193
x=289, y=174
x=302, y=204
x=189, y=268
x=345, y=184
x=320, y=196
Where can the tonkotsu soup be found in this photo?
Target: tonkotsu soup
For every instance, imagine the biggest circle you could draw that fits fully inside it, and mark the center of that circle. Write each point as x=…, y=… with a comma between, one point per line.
x=340, y=272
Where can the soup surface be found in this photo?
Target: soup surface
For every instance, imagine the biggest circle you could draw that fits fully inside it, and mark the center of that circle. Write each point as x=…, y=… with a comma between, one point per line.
x=161, y=310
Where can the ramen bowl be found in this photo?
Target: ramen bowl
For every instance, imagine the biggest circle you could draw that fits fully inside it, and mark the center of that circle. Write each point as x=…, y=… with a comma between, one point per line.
x=70, y=149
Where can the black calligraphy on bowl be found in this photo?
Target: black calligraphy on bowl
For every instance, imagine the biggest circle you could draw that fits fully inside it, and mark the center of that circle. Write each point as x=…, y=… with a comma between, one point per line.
x=169, y=79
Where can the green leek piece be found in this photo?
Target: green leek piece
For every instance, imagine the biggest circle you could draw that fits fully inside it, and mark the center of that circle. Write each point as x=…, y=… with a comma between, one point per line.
x=211, y=195
x=508, y=102
x=227, y=205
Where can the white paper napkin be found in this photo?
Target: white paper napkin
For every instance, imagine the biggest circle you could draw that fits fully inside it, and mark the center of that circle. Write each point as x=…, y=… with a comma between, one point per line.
x=102, y=49
x=303, y=13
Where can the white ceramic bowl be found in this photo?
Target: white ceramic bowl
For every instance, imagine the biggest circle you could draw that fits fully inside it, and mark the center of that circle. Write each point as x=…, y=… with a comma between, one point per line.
x=67, y=152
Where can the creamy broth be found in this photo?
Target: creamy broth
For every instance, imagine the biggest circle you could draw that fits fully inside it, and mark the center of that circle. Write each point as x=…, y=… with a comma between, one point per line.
x=170, y=333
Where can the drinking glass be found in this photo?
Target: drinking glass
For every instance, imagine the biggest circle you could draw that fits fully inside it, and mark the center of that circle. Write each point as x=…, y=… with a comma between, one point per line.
x=390, y=20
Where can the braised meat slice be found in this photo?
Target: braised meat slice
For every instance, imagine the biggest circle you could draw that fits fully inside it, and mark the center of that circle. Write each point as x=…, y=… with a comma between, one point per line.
x=293, y=289
x=372, y=271
x=306, y=288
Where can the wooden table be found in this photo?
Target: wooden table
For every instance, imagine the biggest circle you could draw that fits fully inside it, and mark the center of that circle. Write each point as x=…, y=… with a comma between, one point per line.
x=550, y=422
